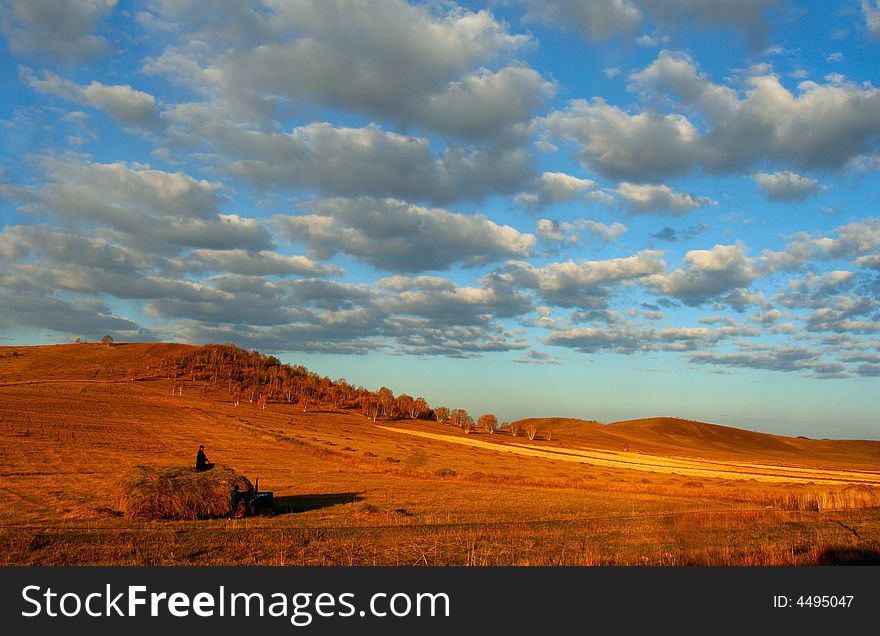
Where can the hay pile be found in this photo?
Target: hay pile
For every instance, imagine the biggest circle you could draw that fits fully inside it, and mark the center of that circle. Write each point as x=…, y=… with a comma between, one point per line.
x=149, y=492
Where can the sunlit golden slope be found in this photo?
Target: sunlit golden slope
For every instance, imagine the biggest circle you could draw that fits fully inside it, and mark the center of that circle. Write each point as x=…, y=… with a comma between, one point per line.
x=672, y=436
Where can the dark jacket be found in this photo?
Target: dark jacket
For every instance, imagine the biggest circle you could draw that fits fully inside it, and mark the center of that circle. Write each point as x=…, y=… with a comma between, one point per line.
x=201, y=460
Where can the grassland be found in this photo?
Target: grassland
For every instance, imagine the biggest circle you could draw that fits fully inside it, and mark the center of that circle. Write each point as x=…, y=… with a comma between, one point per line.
x=351, y=491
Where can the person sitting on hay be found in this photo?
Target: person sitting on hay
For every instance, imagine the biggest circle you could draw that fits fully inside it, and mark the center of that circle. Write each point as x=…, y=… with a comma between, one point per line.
x=202, y=459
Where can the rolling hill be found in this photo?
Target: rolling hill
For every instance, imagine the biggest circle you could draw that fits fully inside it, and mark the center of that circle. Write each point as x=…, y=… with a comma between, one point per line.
x=359, y=481
x=688, y=438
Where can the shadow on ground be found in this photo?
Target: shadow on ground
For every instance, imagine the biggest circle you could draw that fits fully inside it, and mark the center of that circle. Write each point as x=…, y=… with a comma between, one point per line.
x=303, y=503
x=848, y=556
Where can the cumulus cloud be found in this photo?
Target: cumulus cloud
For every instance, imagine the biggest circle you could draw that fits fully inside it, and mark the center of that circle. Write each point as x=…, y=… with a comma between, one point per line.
x=661, y=199
x=408, y=64
x=857, y=239
x=872, y=261
x=415, y=336
x=747, y=16
x=570, y=232
x=258, y=263
x=584, y=284
x=707, y=274
x=554, y=187
x=871, y=11
x=69, y=248
x=630, y=340
x=369, y=161
x=786, y=186
x=329, y=317
x=601, y=19
x=394, y=235
x=444, y=302
x=58, y=30
x=822, y=284
x=733, y=131
x=151, y=209
x=593, y=19
x=619, y=145
x=121, y=102
x=790, y=358
x=351, y=333
x=89, y=318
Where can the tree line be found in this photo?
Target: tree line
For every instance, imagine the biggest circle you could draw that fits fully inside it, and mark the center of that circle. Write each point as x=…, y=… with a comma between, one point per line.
x=263, y=379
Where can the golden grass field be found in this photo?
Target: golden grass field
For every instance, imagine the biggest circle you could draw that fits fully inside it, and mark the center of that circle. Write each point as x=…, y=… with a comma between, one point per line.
x=350, y=491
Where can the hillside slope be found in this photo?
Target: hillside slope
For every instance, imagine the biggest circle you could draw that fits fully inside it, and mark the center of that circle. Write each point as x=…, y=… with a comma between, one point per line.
x=688, y=438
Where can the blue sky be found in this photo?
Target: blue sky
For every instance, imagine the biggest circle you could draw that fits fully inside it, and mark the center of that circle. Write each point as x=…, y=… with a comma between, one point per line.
x=570, y=207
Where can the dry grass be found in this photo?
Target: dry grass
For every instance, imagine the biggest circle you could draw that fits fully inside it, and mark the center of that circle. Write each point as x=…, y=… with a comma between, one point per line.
x=351, y=492
x=152, y=493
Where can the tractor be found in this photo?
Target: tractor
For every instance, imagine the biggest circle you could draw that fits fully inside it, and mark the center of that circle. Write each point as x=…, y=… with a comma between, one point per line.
x=253, y=503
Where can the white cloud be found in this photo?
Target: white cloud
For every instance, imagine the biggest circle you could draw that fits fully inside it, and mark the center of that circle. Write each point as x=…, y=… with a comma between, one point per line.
x=413, y=65
x=629, y=340
x=620, y=145
x=871, y=11
x=149, y=209
x=707, y=274
x=121, y=102
x=60, y=30
x=369, y=161
x=586, y=284
x=554, y=187
x=786, y=186
x=788, y=358
x=258, y=263
x=661, y=199
x=603, y=19
x=856, y=239
x=733, y=130
x=393, y=235
x=570, y=231
x=444, y=302
x=747, y=16
x=593, y=19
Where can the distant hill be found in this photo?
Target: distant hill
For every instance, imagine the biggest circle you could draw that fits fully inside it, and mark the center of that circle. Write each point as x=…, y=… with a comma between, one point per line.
x=688, y=438
x=250, y=376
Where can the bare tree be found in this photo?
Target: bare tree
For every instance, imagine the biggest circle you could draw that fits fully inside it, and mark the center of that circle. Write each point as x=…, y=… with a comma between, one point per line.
x=488, y=422
x=441, y=414
x=531, y=430
x=460, y=417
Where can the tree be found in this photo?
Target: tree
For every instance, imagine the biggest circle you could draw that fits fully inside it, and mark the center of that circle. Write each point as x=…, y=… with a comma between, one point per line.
x=531, y=430
x=460, y=417
x=107, y=340
x=441, y=414
x=488, y=422
x=404, y=404
x=386, y=401
x=420, y=408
